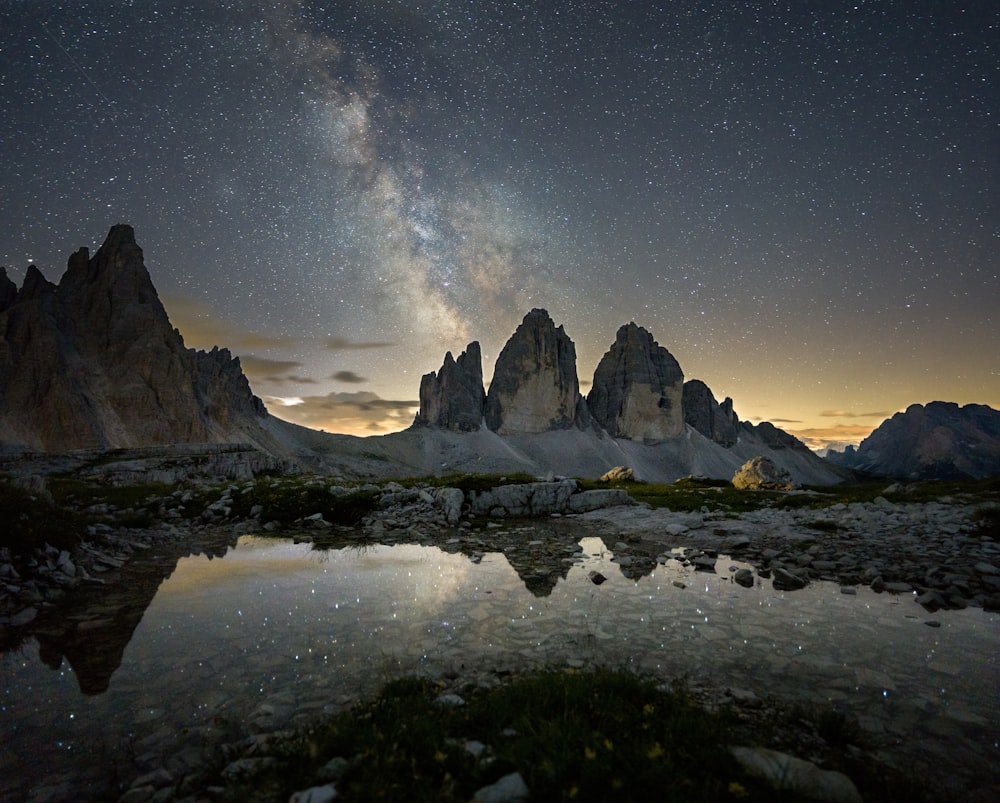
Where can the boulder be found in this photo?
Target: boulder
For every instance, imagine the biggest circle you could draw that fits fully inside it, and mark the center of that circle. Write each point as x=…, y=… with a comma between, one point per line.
x=638, y=388
x=454, y=398
x=525, y=499
x=597, y=499
x=535, y=386
x=761, y=473
x=796, y=776
x=618, y=474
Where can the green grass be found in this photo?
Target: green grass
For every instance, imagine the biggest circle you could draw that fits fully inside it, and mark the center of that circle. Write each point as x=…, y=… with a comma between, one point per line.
x=286, y=499
x=599, y=735
x=603, y=735
x=29, y=521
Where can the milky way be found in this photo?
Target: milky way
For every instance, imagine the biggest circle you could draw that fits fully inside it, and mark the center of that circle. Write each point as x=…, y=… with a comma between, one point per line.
x=800, y=201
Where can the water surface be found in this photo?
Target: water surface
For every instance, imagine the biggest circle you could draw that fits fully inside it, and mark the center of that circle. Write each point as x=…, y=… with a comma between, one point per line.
x=277, y=632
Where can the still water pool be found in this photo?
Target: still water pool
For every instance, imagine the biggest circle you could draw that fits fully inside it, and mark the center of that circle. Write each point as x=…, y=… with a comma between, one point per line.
x=276, y=632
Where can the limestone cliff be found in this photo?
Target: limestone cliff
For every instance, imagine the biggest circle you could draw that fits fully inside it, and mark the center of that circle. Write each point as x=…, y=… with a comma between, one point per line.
x=454, y=398
x=93, y=362
x=638, y=387
x=715, y=421
x=535, y=386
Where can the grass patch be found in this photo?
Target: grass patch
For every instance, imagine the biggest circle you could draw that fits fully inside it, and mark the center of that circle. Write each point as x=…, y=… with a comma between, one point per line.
x=29, y=521
x=285, y=500
x=601, y=735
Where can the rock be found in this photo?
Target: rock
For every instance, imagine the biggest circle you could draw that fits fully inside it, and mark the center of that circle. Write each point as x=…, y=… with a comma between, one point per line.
x=597, y=578
x=786, y=581
x=535, y=386
x=638, y=388
x=760, y=473
x=316, y=794
x=449, y=700
x=509, y=789
x=450, y=501
x=717, y=422
x=744, y=577
x=454, y=397
x=597, y=499
x=618, y=474
x=528, y=499
x=95, y=363
x=790, y=774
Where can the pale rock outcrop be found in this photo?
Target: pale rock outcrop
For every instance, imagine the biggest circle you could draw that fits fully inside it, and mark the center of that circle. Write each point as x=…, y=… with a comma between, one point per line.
x=454, y=398
x=618, y=474
x=95, y=363
x=638, y=389
x=535, y=386
x=717, y=422
x=760, y=473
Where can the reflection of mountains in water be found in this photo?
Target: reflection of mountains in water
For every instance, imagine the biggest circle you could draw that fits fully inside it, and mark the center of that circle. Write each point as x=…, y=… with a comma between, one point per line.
x=92, y=627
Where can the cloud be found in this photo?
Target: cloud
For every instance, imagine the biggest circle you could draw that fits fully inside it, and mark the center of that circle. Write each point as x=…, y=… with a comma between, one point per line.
x=837, y=435
x=343, y=344
x=849, y=414
x=785, y=420
x=357, y=413
x=349, y=376
x=201, y=328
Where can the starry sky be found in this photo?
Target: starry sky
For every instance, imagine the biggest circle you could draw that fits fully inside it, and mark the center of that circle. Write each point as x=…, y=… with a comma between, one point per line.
x=800, y=201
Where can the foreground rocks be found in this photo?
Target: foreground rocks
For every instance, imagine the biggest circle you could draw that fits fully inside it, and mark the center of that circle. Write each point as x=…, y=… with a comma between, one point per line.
x=937, y=552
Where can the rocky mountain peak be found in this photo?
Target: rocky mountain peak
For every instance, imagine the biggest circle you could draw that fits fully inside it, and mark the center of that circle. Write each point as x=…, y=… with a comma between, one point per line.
x=938, y=440
x=454, y=398
x=95, y=363
x=638, y=388
x=8, y=290
x=535, y=386
x=715, y=421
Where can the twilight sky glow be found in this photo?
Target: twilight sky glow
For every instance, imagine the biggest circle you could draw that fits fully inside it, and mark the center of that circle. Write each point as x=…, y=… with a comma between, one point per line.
x=801, y=201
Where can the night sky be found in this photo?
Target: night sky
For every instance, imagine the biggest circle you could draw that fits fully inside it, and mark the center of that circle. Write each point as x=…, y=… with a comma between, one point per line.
x=801, y=201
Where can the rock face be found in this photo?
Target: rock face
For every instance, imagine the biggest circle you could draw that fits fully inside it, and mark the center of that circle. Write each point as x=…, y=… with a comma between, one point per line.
x=717, y=422
x=638, y=389
x=938, y=441
x=760, y=473
x=454, y=397
x=95, y=363
x=535, y=386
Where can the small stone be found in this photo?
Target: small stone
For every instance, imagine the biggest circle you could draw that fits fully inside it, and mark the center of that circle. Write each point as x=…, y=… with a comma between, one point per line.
x=449, y=700
x=744, y=577
x=509, y=789
x=849, y=590
x=932, y=623
x=315, y=794
x=597, y=578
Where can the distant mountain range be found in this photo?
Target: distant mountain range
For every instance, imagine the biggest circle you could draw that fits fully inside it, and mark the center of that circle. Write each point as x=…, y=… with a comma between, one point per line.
x=939, y=440
x=93, y=363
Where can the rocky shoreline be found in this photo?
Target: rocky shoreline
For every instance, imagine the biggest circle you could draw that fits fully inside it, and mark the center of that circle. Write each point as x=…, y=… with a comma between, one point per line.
x=937, y=552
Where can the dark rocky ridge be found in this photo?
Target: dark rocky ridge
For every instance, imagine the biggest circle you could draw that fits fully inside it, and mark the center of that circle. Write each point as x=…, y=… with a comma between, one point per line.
x=93, y=362
x=715, y=421
x=454, y=397
x=938, y=441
